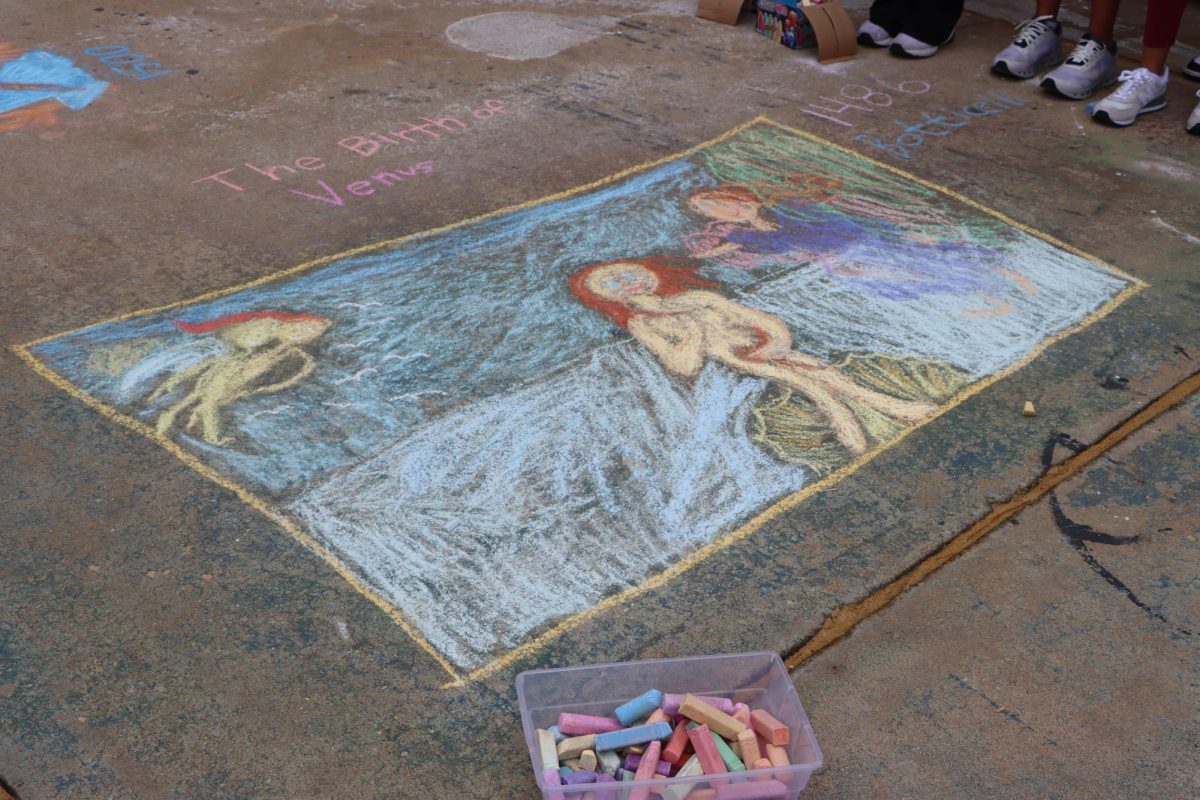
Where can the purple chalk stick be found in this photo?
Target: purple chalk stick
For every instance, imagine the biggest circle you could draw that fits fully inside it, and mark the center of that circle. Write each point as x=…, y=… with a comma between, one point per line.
x=551, y=777
x=606, y=794
x=671, y=703
x=583, y=776
x=761, y=790
x=583, y=724
x=632, y=762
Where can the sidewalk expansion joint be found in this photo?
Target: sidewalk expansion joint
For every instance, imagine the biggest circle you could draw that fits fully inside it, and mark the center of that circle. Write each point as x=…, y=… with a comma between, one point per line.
x=845, y=619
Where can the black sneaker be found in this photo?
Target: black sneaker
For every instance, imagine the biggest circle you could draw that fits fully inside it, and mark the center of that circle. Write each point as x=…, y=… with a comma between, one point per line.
x=1192, y=70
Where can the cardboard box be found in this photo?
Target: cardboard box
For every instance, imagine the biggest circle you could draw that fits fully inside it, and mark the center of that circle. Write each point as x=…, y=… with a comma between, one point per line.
x=725, y=11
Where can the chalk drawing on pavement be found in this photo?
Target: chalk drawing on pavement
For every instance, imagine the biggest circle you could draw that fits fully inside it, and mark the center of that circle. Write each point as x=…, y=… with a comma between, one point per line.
x=36, y=84
x=654, y=363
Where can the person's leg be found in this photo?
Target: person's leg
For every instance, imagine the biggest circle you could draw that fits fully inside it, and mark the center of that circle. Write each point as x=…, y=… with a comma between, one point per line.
x=1092, y=64
x=891, y=14
x=1163, y=18
x=1103, y=19
x=933, y=21
x=1144, y=89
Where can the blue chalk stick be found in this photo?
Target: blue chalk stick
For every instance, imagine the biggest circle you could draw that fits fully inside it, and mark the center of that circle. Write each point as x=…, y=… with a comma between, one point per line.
x=564, y=771
x=639, y=707
x=583, y=776
x=627, y=737
x=556, y=733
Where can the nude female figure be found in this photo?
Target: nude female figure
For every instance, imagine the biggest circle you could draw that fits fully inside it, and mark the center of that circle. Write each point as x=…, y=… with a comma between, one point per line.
x=683, y=325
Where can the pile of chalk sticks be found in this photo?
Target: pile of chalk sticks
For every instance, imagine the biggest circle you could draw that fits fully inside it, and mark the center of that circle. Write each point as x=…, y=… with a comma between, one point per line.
x=658, y=735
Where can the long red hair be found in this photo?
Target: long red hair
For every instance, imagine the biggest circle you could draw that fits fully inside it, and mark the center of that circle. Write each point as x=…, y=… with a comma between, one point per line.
x=211, y=325
x=673, y=278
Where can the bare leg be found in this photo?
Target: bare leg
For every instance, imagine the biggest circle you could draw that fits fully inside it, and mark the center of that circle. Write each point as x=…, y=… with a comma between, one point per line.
x=1047, y=8
x=841, y=419
x=841, y=385
x=166, y=420
x=1103, y=20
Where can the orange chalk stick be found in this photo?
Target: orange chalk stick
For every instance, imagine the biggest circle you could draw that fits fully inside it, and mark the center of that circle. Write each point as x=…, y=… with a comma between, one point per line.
x=742, y=714
x=658, y=715
x=763, y=763
x=676, y=744
x=703, y=794
x=699, y=711
x=770, y=728
x=748, y=747
x=777, y=755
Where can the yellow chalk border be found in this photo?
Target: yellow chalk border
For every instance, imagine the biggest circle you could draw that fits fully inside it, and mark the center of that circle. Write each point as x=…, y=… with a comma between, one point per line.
x=23, y=351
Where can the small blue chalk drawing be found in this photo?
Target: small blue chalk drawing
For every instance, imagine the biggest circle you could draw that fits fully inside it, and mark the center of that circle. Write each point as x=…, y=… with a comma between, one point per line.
x=35, y=83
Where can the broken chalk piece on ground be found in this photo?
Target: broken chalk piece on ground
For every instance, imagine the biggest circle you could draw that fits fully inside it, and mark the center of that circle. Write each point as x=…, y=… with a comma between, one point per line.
x=641, y=706
x=1029, y=410
x=771, y=729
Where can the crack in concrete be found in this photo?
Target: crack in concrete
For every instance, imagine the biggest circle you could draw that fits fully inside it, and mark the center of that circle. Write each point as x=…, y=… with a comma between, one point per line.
x=845, y=619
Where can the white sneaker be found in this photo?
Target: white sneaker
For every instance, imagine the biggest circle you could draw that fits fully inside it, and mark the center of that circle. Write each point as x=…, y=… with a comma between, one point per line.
x=1090, y=66
x=1037, y=45
x=1140, y=92
x=905, y=45
x=871, y=35
x=1193, y=123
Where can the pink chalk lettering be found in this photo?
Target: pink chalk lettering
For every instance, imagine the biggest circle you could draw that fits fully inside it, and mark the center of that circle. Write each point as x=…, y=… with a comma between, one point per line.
x=330, y=196
x=310, y=163
x=216, y=176
x=361, y=188
x=361, y=145
x=447, y=123
x=392, y=178
x=270, y=171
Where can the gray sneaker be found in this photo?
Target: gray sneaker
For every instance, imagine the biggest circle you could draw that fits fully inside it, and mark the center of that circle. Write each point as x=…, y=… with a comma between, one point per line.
x=1193, y=121
x=1090, y=66
x=1037, y=46
x=1140, y=92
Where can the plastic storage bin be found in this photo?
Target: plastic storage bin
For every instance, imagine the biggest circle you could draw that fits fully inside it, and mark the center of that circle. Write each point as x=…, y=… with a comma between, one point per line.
x=757, y=679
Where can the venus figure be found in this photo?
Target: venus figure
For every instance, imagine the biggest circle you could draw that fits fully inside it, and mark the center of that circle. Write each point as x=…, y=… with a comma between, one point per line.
x=256, y=344
x=684, y=325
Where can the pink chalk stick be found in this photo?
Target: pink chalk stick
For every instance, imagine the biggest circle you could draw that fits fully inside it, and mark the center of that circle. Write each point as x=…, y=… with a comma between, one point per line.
x=646, y=770
x=583, y=724
x=770, y=728
x=761, y=790
x=671, y=703
x=706, y=750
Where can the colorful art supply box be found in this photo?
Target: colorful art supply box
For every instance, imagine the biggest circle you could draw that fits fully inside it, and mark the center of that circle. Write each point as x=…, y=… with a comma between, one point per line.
x=784, y=22
x=757, y=679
